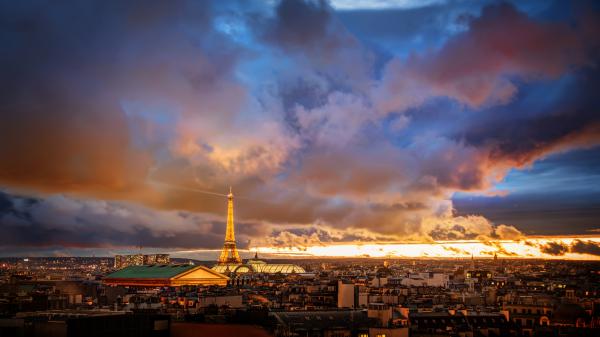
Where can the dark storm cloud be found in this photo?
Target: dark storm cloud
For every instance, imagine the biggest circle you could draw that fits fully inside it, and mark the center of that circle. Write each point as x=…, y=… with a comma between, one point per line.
x=326, y=56
x=479, y=66
x=578, y=246
x=300, y=24
x=585, y=247
x=562, y=213
x=68, y=222
x=554, y=248
x=572, y=122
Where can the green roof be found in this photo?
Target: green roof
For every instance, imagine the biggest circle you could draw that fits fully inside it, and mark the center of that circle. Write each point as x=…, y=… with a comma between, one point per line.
x=152, y=271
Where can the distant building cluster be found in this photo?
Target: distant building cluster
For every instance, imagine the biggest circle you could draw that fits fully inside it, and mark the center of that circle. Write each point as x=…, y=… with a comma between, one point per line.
x=350, y=298
x=122, y=261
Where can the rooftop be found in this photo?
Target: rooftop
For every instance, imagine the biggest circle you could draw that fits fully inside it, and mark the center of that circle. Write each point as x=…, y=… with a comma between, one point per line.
x=156, y=271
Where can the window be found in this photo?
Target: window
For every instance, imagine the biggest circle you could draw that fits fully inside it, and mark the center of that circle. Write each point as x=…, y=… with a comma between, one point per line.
x=380, y=335
x=363, y=335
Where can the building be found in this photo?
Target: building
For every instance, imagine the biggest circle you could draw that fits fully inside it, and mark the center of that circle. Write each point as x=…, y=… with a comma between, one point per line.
x=165, y=276
x=122, y=261
x=230, y=262
x=347, y=295
x=438, y=324
x=231, y=301
x=258, y=266
x=344, y=323
x=92, y=323
x=388, y=321
x=157, y=259
x=426, y=280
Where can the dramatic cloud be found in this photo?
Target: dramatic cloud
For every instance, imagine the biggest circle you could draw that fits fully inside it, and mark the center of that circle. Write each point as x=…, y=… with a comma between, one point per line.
x=577, y=246
x=585, y=247
x=469, y=228
x=123, y=121
x=479, y=66
x=554, y=248
x=64, y=221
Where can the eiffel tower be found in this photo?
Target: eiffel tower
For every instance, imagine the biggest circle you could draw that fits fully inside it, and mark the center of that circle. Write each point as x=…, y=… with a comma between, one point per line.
x=229, y=254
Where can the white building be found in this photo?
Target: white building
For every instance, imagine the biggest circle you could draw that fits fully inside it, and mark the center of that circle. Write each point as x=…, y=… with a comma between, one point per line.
x=347, y=295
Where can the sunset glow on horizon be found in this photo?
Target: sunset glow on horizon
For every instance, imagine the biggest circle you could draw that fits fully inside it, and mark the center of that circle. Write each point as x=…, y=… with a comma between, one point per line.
x=461, y=249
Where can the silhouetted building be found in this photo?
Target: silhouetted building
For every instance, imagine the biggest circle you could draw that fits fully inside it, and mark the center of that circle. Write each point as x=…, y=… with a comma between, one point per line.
x=77, y=323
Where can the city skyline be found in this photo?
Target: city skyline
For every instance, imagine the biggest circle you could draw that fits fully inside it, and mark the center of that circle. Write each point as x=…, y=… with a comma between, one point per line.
x=346, y=129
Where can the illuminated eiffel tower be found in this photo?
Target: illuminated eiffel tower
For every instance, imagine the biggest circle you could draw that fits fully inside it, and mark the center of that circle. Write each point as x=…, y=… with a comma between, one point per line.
x=229, y=254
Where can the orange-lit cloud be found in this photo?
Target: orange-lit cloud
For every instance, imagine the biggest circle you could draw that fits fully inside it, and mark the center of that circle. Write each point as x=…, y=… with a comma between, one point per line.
x=444, y=249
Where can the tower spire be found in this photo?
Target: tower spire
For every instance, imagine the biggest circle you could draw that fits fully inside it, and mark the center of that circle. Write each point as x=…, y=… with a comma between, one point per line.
x=229, y=254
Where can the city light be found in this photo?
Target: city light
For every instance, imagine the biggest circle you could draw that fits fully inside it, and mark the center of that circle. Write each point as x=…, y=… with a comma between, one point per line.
x=401, y=168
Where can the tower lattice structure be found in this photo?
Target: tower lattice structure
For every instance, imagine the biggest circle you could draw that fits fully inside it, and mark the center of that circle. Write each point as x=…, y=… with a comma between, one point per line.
x=229, y=254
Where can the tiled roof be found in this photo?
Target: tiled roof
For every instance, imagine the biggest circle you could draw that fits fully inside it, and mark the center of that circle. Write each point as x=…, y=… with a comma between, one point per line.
x=323, y=319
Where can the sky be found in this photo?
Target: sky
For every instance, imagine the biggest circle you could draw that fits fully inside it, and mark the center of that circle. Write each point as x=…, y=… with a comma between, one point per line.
x=345, y=128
